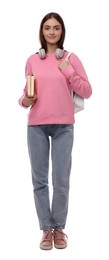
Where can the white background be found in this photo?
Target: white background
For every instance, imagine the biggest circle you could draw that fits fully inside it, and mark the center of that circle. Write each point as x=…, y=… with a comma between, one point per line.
x=88, y=219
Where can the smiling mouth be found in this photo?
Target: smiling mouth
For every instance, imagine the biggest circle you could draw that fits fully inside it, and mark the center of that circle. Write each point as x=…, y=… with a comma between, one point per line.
x=51, y=37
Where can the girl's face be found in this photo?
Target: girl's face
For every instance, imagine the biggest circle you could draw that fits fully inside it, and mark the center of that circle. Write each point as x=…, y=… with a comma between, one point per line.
x=52, y=31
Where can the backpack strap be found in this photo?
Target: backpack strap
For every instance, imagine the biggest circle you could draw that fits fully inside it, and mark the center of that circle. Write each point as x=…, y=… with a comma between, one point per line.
x=78, y=101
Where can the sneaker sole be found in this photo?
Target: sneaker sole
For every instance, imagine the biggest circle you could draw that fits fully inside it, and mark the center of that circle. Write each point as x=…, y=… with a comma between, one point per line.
x=60, y=246
x=46, y=247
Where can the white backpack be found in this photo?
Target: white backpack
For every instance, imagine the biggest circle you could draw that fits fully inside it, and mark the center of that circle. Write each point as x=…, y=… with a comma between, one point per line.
x=78, y=101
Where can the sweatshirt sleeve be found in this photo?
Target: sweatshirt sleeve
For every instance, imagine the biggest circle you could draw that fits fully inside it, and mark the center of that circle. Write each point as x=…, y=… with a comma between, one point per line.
x=77, y=77
x=28, y=71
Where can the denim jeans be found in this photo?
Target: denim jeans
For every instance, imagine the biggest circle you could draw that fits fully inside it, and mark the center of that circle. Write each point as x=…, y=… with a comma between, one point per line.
x=61, y=150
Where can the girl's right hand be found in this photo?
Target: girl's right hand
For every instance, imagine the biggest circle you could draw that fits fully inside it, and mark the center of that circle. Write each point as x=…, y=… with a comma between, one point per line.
x=29, y=101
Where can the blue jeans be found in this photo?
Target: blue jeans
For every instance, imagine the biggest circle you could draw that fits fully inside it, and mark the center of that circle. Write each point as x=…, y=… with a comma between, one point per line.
x=61, y=149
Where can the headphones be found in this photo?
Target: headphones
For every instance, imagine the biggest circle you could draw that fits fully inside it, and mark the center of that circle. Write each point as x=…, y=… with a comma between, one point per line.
x=59, y=53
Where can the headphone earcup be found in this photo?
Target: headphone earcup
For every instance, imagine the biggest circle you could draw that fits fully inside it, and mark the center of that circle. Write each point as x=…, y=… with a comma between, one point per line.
x=59, y=53
x=42, y=53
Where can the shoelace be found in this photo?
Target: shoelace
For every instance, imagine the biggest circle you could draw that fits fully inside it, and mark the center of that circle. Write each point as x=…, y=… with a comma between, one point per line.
x=48, y=234
x=59, y=234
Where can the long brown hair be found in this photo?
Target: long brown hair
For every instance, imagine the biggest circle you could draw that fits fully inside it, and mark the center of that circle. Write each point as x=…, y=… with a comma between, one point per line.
x=60, y=20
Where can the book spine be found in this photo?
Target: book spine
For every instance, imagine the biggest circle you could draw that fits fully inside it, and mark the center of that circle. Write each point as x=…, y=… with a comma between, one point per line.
x=30, y=86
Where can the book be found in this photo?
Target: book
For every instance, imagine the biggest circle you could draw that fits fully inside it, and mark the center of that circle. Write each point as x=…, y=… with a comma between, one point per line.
x=30, y=86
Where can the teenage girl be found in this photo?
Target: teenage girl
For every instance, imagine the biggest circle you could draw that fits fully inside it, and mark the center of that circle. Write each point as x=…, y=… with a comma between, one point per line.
x=51, y=117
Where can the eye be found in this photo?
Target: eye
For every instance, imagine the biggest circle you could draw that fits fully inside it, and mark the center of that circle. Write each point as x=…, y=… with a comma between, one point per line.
x=57, y=28
x=46, y=28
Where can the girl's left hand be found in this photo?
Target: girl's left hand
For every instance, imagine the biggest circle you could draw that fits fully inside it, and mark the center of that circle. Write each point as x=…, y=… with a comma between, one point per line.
x=63, y=64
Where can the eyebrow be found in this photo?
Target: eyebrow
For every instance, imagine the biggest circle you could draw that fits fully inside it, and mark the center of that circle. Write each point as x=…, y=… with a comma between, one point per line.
x=55, y=26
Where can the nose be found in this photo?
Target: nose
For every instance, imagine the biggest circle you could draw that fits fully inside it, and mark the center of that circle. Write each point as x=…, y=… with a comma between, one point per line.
x=51, y=31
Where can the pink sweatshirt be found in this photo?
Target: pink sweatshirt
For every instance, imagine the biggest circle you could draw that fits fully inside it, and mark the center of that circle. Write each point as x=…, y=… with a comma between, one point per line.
x=54, y=104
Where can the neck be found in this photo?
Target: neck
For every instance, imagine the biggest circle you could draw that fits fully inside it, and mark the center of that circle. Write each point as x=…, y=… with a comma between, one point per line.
x=51, y=48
